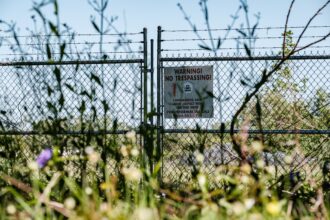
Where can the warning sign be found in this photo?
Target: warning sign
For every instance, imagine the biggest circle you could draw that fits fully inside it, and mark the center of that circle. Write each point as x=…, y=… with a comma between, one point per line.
x=188, y=92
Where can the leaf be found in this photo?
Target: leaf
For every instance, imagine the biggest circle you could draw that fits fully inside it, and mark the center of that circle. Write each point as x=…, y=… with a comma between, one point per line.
x=69, y=87
x=55, y=7
x=241, y=32
x=204, y=47
x=49, y=90
x=115, y=125
x=85, y=93
x=105, y=106
x=49, y=53
x=115, y=84
x=210, y=94
x=16, y=39
x=61, y=100
x=51, y=107
x=247, y=50
x=40, y=14
x=254, y=29
x=95, y=26
x=244, y=83
x=62, y=50
x=53, y=28
x=57, y=73
x=96, y=79
x=258, y=107
x=219, y=43
x=82, y=107
x=94, y=113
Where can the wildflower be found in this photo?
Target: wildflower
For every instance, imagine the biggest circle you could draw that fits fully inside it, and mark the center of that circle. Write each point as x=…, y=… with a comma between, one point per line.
x=238, y=208
x=88, y=191
x=44, y=157
x=89, y=150
x=104, y=207
x=132, y=174
x=255, y=216
x=260, y=164
x=144, y=213
x=199, y=157
x=94, y=157
x=33, y=165
x=11, y=209
x=70, y=203
x=273, y=208
x=271, y=170
x=131, y=135
x=249, y=203
x=135, y=152
x=124, y=151
x=246, y=168
x=257, y=146
x=288, y=159
x=201, y=180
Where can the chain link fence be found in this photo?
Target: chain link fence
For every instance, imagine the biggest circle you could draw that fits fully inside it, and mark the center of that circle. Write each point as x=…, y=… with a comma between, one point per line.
x=71, y=105
x=290, y=114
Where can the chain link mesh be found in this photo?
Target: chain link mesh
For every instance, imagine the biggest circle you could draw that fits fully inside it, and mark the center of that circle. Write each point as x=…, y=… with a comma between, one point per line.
x=294, y=117
x=70, y=105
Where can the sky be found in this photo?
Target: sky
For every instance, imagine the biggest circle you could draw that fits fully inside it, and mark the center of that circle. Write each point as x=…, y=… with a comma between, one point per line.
x=151, y=13
x=134, y=15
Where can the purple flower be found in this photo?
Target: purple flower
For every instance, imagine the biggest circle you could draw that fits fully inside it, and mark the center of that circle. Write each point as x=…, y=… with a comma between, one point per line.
x=44, y=157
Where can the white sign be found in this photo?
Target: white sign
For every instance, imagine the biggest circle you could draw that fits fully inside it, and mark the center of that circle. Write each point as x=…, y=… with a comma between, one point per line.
x=188, y=92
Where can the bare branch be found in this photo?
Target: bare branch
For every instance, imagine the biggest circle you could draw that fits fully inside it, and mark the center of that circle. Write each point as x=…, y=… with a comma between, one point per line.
x=286, y=27
x=313, y=43
x=309, y=22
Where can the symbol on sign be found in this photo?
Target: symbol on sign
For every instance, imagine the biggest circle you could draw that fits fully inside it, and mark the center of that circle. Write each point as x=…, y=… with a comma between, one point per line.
x=188, y=87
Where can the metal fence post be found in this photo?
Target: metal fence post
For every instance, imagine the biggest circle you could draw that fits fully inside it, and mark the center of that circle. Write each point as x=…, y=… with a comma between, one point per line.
x=159, y=114
x=152, y=109
x=145, y=96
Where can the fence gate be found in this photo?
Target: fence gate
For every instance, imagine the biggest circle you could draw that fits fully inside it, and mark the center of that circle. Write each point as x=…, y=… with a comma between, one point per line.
x=197, y=96
x=72, y=105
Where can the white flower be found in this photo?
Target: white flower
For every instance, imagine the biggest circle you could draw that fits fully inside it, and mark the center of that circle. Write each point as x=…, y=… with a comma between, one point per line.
x=199, y=157
x=288, y=159
x=94, y=157
x=249, y=203
x=256, y=146
x=143, y=213
x=135, y=152
x=271, y=170
x=131, y=135
x=132, y=174
x=89, y=150
x=70, y=203
x=33, y=165
x=124, y=151
x=201, y=180
x=260, y=164
x=88, y=190
x=104, y=207
x=238, y=208
x=11, y=209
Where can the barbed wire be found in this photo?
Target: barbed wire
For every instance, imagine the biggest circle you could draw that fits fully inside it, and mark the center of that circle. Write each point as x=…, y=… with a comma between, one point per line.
x=73, y=53
x=238, y=38
x=79, y=43
x=260, y=28
x=74, y=35
x=238, y=48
